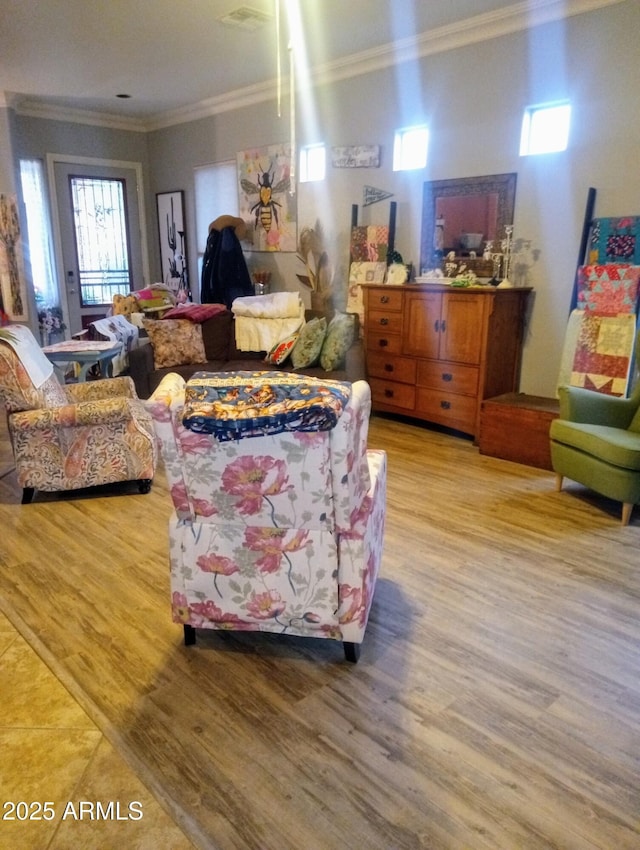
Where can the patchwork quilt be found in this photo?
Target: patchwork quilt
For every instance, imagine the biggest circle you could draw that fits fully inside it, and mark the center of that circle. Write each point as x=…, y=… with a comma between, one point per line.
x=234, y=405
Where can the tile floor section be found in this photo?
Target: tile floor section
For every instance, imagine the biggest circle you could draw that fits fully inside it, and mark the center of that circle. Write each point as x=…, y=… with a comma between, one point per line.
x=52, y=752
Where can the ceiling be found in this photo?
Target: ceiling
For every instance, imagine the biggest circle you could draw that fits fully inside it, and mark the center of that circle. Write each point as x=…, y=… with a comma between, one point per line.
x=179, y=60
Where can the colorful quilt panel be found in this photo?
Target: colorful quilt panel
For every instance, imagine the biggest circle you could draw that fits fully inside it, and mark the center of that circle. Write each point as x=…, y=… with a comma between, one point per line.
x=610, y=289
x=369, y=243
x=615, y=240
x=603, y=353
x=234, y=405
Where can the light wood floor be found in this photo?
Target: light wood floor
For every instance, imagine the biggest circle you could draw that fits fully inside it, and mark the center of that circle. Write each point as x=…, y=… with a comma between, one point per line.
x=496, y=703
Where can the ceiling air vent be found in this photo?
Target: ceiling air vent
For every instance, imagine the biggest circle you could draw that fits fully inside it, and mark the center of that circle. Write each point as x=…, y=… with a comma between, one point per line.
x=246, y=18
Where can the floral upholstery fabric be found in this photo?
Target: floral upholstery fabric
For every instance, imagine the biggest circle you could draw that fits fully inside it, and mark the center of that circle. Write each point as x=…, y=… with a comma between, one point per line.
x=78, y=435
x=175, y=342
x=279, y=533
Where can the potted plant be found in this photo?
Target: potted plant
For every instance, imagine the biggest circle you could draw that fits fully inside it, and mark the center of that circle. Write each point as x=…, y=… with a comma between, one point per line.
x=319, y=276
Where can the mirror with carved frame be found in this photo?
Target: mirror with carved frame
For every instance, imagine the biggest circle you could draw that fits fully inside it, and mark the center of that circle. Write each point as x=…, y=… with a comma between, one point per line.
x=460, y=215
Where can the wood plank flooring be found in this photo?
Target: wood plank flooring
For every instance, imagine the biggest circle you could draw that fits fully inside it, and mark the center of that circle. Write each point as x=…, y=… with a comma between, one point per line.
x=496, y=704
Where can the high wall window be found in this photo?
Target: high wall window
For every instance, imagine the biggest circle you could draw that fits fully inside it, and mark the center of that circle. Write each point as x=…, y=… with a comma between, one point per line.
x=410, y=148
x=312, y=163
x=39, y=236
x=545, y=128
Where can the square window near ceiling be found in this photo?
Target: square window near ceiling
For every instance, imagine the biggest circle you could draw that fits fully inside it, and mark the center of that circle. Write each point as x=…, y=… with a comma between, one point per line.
x=545, y=128
x=312, y=163
x=410, y=148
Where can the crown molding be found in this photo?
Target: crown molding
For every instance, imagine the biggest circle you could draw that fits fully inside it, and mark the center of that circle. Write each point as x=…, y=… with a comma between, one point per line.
x=484, y=27
x=42, y=109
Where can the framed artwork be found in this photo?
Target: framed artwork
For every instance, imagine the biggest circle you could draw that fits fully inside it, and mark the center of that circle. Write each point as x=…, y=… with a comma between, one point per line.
x=356, y=156
x=171, y=231
x=12, y=283
x=266, y=202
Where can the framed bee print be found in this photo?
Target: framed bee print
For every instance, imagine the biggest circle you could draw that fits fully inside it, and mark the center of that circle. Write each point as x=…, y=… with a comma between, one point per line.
x=267, y=204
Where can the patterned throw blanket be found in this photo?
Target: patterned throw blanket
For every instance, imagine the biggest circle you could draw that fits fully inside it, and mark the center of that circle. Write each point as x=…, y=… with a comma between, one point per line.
x=233, y=405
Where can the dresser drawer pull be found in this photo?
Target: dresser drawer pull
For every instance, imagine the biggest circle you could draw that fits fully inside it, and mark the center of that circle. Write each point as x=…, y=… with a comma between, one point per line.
x=445, y=405
x=384, y=299
x=384, y=321
x=388, y=393
x=447, y=376
x=436, y=325
x=388, y=367
x=383, y=343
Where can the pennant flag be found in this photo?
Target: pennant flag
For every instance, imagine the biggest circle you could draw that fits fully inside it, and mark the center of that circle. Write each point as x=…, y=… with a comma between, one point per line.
x=373, y=195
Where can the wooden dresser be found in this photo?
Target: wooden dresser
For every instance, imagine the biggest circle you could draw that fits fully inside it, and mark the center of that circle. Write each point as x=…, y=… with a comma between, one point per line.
x=436, y=352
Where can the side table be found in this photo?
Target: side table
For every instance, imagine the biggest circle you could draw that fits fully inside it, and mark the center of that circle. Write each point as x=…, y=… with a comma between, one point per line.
x=85, y=354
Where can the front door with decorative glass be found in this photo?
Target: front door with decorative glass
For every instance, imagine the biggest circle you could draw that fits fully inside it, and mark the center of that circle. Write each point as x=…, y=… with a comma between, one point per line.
x=99, y=224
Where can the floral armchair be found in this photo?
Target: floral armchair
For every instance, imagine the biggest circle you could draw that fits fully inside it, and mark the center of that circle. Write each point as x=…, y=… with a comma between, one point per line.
x=73, y=436
x=280, y=533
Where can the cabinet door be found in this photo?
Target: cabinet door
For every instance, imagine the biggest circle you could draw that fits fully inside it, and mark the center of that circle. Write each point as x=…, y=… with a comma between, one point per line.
x=462, y=326
x=422, y=324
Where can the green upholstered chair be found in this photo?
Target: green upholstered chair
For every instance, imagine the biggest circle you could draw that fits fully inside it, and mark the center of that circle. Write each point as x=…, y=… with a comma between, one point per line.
x=596, y=442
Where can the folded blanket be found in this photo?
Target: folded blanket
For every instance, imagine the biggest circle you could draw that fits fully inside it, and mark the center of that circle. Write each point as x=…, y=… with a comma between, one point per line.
x=118, y=329
x=263, y=334
x=31, y=355
x=234, y=405
x=277, y=305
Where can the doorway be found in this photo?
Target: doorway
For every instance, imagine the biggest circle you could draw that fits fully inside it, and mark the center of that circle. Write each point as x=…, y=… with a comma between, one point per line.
x=100, y=234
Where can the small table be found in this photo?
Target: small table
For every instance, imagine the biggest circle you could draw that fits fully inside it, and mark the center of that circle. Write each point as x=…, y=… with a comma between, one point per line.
x=85, y=354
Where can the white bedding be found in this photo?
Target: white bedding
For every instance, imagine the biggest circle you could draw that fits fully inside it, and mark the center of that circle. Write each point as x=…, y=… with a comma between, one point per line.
x=261, y=321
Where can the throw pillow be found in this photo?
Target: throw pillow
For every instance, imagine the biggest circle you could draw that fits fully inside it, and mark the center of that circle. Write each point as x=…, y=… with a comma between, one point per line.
x=307, y=349
x=281, y=350
x=194, y=312
x=340, y=335
x=175, y=342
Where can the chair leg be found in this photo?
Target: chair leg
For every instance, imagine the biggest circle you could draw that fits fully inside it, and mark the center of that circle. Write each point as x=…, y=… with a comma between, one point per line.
x=351, y=651
x=189, y=635
x=559, y=481
x=27, y=495
x=627, y=507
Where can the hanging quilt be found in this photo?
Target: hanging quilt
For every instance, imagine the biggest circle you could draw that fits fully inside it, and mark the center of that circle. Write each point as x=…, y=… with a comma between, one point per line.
x=599, y=350
x=615, y=240
x=609, y=289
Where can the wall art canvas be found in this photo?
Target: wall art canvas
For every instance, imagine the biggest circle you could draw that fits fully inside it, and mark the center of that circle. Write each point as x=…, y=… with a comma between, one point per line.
x=171, y=231
x=356, y=156
x=266, y=202
x=14, y=293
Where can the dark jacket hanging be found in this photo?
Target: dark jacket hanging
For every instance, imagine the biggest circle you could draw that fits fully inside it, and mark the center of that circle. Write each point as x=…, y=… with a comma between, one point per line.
x=225, y=275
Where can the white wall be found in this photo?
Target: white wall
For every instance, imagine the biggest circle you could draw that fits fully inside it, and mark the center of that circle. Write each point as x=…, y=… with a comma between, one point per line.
x=473, y=99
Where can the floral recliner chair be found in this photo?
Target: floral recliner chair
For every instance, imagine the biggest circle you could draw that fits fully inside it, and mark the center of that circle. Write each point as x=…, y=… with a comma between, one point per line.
x=280, y=532
x=73, y=436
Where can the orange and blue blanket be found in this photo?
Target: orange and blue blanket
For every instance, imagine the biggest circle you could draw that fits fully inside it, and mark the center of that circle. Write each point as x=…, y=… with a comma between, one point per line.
x=234, y=405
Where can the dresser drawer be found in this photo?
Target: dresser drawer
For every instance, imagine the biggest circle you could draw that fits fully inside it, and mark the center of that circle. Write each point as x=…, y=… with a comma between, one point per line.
x=389, y=343
x=448, y=409
x=391, y=368
x=450, y=377
x=383, y=320
x=390, y=394
x=391, y=300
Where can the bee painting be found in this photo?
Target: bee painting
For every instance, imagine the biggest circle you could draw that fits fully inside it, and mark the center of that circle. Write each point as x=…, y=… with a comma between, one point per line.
x=264, y=183
x=265, y=210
